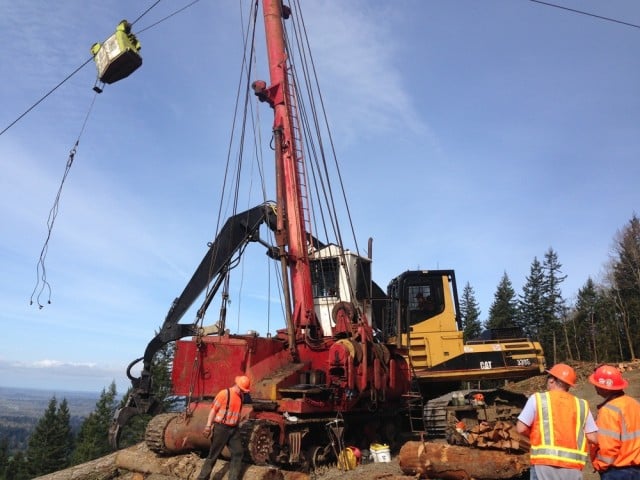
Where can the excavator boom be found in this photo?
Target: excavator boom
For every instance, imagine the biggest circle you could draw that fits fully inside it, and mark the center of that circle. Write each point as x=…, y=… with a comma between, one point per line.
x=237, y=231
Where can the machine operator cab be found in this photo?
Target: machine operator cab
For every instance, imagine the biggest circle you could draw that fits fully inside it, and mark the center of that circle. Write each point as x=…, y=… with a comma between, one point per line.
x=422, y=303
x=341, y=280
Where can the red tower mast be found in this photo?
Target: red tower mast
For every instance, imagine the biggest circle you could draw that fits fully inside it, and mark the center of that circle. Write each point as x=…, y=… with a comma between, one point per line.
x=291, y=231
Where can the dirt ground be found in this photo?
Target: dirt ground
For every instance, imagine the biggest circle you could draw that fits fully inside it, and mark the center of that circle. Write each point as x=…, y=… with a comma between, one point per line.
x=583, y=389
x=369, y=471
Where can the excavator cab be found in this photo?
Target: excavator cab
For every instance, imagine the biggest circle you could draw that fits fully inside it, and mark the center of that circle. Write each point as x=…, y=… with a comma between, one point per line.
x=341, y=284
x=421, y=301
x=423, y=317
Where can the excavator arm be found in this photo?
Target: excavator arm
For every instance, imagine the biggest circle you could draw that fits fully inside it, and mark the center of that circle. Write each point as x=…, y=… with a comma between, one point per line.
x=236, y=232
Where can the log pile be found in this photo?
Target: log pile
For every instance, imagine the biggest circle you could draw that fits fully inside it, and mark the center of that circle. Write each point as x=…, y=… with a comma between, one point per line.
x=628, y=366
x=452, y=462
x=102, y=468
x=138, y=462
x=499, y=435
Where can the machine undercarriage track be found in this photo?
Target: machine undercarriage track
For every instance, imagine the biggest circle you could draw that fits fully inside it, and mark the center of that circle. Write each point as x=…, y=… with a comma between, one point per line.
x=306, y=443
x=435, y=416
x=259, y=440
x=470, y=407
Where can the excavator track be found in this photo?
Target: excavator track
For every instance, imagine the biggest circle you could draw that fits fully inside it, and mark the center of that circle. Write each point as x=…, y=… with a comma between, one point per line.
x=436, y=416
x=442, y=413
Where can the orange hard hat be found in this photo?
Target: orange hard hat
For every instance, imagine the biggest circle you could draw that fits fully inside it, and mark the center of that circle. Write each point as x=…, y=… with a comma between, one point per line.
x=243, y=383
x=608, y=378
x=564, y=373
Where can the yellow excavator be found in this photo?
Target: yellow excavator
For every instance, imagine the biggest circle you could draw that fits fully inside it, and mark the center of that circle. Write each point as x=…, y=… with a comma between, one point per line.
x=421, y=316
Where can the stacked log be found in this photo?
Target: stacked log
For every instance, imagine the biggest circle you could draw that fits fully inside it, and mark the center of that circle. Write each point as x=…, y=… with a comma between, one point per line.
x=499, y=436
x=452, y=462
x=141, y=459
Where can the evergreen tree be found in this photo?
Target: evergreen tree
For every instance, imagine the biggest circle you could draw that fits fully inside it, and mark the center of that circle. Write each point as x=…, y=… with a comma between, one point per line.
x=503, y=310
x=612, y=335
x=531, y=304
x=555, y=309
x=93, y=437
x=4, y=456
x=66, y=435
x=49, y=444
x=162, y=388
x=161, y=370
x=17, y=468
x=470, y=314
x=588, y=325
x=626, y=276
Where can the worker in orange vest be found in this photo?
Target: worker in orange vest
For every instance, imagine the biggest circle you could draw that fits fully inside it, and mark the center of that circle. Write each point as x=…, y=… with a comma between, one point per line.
x=559, y=426
x=223, y=421
x=618, y=454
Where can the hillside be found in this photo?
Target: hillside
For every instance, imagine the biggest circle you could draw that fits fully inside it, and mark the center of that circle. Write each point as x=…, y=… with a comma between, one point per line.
x=137, y=462
x=20, y=410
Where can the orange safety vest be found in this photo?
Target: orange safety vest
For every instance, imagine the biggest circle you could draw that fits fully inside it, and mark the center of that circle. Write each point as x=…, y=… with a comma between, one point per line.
x=557, y=433
x=618, y=434
x=227, y=406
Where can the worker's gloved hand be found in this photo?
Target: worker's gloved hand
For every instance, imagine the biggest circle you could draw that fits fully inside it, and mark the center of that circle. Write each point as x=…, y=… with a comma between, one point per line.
x=207, y=431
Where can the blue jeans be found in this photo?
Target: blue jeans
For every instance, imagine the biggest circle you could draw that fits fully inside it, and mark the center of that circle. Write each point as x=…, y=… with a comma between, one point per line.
x=626, y=473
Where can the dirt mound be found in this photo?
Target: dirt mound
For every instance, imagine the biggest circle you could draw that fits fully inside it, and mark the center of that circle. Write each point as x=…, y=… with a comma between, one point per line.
x=583, y=389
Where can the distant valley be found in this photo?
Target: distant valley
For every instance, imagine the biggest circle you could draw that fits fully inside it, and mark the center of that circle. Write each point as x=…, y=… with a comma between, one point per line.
x=20, y=410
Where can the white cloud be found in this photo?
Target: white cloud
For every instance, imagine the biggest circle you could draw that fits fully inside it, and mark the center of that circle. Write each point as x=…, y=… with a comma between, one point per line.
x=53, y=364
x=58, y=374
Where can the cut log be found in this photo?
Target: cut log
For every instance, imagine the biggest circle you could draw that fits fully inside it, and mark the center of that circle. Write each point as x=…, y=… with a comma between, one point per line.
x=140, y=459
x=452, y=462
x=497, y=435
x=138, y=462
x=103, y=468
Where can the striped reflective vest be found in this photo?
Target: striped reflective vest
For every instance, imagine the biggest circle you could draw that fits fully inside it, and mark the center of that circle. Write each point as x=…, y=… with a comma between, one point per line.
x=227, y=406
x=557, y=434
x=618, y=434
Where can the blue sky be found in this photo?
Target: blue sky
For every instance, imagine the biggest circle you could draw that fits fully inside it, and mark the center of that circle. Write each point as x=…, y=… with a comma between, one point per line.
x=473, y=135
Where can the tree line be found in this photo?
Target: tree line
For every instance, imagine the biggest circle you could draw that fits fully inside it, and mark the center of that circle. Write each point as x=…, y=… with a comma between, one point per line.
x=601, y=325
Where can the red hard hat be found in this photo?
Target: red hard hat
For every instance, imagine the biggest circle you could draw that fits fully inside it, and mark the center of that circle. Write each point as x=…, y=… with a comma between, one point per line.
x=243, y=383
x=608, y=378
x=563, y=373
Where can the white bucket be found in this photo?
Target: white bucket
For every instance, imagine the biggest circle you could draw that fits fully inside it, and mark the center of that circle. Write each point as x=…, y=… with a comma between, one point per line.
x=380, y=452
